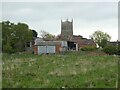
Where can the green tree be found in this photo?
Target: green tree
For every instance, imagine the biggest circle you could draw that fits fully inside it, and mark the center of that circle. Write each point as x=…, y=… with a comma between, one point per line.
x=110, y=49
x=15, y=36
x=0, y=37
x=100, y=38
x=22, y=35
x=7, y=35
x=34, y=33
x=47, y=36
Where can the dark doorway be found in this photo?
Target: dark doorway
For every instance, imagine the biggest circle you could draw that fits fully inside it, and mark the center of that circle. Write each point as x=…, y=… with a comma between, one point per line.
x=71, y=45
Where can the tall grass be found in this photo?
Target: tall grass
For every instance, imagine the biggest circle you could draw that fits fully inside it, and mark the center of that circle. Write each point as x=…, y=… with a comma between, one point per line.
x=72, y=69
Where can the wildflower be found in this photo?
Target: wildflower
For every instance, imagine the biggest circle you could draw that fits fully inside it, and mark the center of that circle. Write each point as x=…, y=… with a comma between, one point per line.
x=73, y=72
x=21, y=72
x=47, y=81
x=63, y=87
x=7, y=68
x=12, y=67
x=3, y=63
x=30, y=64
x=16, y=83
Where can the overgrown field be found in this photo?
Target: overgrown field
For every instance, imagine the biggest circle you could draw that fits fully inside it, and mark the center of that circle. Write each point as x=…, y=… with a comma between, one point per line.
x=0, y=71
x=73, y=69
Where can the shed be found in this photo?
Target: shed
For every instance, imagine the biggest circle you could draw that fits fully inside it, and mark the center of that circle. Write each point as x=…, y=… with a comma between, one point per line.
x=46, y=47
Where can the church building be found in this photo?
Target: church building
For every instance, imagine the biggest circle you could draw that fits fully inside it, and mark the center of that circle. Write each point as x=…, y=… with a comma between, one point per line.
x=75, y=42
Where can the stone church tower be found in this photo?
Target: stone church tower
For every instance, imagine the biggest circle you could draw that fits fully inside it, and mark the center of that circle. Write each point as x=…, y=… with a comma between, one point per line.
x=66, y=29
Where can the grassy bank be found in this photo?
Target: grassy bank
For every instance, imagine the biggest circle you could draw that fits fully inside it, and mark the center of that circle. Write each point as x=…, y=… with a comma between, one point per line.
x=73, y=69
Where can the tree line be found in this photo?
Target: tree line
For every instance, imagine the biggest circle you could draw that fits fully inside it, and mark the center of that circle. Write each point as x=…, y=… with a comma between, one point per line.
x=15, y=36
x=103, y=41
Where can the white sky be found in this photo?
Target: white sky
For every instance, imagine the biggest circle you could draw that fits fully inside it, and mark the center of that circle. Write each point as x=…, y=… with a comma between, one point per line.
x=87, y=16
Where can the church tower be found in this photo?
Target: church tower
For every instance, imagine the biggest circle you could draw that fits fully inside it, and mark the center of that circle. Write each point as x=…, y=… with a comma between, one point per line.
x=66, y=29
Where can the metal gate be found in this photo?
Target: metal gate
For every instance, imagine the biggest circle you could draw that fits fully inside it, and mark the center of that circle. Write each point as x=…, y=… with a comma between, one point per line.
x=50, y=49
x=41, y=49
x=46, y=49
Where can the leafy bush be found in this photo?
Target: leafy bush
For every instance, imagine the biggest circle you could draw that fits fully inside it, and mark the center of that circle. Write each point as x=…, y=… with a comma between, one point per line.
x=7, y=48
x=110, y=49
x=118, y=50
x=88, y=48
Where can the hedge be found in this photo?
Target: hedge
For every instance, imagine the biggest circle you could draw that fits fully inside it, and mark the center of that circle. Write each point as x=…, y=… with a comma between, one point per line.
x=88, y=48
x=111, y=49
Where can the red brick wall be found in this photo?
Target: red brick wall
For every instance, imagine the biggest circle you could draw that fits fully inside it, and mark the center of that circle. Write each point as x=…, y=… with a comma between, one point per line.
x=35, y=49
x=58, y=48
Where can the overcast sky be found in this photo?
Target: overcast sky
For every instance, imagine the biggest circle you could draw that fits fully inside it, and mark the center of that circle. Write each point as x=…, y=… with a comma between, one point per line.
x=87, y=16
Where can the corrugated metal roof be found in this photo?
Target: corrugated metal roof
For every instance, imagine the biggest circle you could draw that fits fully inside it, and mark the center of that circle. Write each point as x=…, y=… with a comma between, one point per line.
x=50, y=43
